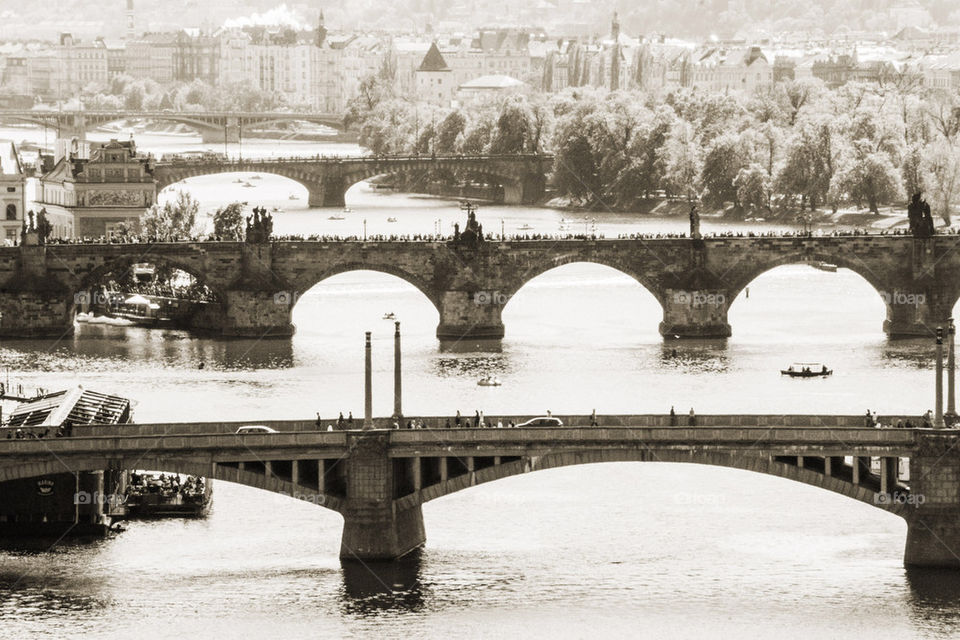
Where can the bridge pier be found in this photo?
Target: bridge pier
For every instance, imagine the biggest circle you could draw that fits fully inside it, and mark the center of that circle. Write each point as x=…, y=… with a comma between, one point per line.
x=933, y=516
x=329, y=193
x=36, y=314
x=229, y=134
x=695, y=313
x=913, y=314
x=530, y=189
x=374, y=527
x=471, y=315
x=257, y=314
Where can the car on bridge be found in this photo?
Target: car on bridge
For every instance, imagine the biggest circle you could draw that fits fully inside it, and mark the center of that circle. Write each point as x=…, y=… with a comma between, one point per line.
x=255, y=428
x=543, y=421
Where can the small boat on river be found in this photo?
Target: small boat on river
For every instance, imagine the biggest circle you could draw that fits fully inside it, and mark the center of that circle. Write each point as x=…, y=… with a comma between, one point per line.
x=807, y=370
x=489, y=381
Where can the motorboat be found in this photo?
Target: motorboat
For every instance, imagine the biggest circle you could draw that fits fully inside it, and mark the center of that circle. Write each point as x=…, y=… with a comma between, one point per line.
x=255, y=177
x=389, y=316
x=347, y=210
x=246, y=184
x=806, y=370
x=825, y=266
x=489, y=381
x=391, y=219
x=276, y=210
x=336, y=218
x=293, y=196
x=238, y=181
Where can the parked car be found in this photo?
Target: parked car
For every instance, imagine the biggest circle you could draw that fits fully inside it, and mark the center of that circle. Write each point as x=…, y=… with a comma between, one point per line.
x=255, y=428
x=542, y=422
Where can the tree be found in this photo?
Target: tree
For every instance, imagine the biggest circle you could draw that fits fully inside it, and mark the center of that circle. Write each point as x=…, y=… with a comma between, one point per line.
x=724, y=159
x=228, y=222
x=868, y=175
x=941, y=170
x=450, y=128
x=514, y=132
x=172, y=220
x=681, y=162
x=753, y=187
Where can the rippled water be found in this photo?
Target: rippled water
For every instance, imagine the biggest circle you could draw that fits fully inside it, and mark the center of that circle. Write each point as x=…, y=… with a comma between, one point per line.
x=650, y=550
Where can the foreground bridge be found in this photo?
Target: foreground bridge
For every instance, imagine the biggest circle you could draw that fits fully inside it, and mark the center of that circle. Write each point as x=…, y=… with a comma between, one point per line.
x=213, y=126
x=379, y=479
x=695, y=281
x=522, y=176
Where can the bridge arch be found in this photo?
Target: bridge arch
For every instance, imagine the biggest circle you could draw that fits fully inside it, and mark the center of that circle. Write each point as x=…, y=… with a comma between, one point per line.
x=574, y=256
x=169, y=175
x=758, y=464
x=380, y=267
x=220, y=472
x=125, y=263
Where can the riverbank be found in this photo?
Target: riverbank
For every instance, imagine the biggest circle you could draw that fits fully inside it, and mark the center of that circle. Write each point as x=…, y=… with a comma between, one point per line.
x=890, y=217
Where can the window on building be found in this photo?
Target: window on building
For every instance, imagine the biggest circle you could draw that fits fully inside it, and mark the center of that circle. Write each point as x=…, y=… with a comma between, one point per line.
x=11, y=189
x=11, y=211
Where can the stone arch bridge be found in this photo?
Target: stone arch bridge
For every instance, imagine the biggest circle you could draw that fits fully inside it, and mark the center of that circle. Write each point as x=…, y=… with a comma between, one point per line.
x=379, y=479
x=327, y=180
x=213, y=126
x=695, y=281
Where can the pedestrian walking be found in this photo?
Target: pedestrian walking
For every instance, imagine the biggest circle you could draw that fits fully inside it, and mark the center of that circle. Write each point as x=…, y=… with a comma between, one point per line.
x=693, y=418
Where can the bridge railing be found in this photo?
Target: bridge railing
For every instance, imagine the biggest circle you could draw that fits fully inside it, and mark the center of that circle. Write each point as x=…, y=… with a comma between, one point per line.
x=726, y=421
x=174, y=160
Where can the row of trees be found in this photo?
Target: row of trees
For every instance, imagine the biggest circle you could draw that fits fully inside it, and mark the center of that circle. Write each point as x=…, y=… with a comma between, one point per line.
x=797, y=146
x=125, y=92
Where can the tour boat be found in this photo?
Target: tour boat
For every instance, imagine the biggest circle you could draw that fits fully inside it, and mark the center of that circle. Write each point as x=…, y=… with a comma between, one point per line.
x=389, y=316
x=825, y=266
x=806, y=370
x=391, y=219
x=489, y=381
x=255, y=177
x=336, y=218
x=524, y=227
x=293, y=196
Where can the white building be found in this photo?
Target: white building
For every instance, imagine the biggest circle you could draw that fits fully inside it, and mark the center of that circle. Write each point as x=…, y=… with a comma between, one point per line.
x=13, y=201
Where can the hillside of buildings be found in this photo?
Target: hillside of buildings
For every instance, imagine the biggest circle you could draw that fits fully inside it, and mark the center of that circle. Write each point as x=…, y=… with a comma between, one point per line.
x=687, y=18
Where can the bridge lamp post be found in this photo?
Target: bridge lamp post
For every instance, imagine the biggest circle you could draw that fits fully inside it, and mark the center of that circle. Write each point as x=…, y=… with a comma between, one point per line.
x=951, y=414
x=367, y=386
x=938, y=416
x=397, y=395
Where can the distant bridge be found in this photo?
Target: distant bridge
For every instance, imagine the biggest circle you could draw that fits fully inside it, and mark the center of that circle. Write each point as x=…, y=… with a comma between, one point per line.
x=522, y=176
x=378, y=479
x=213, y=126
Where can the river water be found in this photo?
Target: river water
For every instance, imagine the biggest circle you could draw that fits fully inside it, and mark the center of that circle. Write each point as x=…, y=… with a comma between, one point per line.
x=648, y=550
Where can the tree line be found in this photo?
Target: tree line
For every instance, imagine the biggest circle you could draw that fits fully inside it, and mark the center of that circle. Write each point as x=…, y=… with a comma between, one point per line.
x=798, y=146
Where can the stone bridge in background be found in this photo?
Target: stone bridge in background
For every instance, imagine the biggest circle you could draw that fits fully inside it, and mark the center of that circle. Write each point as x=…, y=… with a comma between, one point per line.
x=379, y=479
x=695, y=281
x=327, y=180
x=213, y=126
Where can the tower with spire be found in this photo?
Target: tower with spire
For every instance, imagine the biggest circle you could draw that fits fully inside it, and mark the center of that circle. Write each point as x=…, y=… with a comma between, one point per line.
x=321, y=30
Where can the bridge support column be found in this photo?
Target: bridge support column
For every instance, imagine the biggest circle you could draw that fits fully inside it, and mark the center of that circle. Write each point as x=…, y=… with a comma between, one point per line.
x=914, y=313
x=32, y=314
x=471, y=315
x=695, y=314
x=212, y=134
x=933, y=504
x=329, y=193
x=257, y=314
x=374, y=527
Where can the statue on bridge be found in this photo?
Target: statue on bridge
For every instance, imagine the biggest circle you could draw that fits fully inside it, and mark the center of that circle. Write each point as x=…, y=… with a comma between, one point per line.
x=473, y=233
x=38, y=230
x=259, y=226
x=920, y=218
x=694, y=223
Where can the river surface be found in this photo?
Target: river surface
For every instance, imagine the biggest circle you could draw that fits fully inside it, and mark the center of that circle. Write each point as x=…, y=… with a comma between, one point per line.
x=628, y=549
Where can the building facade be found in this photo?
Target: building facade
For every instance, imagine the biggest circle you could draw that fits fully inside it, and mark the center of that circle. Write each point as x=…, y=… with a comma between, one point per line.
x=114, y=185
x=13, y=202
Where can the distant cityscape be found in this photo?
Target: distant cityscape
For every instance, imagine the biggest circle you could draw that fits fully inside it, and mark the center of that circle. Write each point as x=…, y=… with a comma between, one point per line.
x=319, y=64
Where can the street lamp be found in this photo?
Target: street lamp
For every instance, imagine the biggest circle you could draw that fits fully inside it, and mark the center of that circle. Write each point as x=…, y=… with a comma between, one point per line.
x=364, y=229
